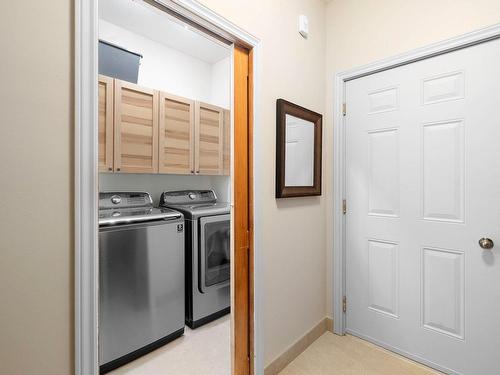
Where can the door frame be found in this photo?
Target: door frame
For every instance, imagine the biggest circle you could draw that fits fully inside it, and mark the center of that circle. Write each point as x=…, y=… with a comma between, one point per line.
x=86, y=173
x=339, y=167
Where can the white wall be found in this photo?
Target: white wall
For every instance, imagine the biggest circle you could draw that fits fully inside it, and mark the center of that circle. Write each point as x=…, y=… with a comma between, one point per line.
x=220, y=94
x=167, y=69
x=360, y=32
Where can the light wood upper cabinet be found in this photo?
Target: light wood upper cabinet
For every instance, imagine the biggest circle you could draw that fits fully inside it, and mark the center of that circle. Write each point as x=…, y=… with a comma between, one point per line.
x=176, y=139
x=136, y=128
x=209, y=139
x=142, y=130
x=226, y=150
x=105, y=87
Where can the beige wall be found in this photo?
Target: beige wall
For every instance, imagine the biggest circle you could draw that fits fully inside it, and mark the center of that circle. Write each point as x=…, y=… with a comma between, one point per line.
x=364, y=31
x=293, y=241
x=36, y=269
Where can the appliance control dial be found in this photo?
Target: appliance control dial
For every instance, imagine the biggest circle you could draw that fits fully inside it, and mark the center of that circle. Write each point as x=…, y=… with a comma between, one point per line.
x=116, y=199
x=192, y=196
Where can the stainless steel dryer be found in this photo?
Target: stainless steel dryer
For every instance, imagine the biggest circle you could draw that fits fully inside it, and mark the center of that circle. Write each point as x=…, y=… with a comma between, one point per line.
x=208, y=247
x=141, y=277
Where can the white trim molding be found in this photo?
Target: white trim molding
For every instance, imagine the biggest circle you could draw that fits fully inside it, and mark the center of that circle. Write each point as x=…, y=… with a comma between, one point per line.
x=338, y=278
x=86, y=222
x=258, y=193
x=207, y=18
x=436, y=49
x=86, y=173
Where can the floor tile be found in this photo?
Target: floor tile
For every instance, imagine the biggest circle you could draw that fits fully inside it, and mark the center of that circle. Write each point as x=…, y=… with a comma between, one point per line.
x=205, y=350
x=349, y=355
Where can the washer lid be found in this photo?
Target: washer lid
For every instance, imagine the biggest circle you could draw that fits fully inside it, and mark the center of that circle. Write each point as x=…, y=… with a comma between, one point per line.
x=194, y=211
x=135, y=215
x=194, y=203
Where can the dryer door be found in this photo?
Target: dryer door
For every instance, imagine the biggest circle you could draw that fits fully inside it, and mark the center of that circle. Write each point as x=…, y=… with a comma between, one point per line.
x=214, y=252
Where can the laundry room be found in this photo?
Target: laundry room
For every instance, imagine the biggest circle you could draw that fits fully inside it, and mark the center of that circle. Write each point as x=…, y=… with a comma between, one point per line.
x=164, y=146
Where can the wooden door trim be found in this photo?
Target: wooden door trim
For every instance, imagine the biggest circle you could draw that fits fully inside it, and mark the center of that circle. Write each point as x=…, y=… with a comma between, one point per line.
x=242, y=216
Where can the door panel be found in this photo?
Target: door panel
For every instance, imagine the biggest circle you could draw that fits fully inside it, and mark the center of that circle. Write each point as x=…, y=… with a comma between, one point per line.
x=443, y=291
x=209, y=139
x=176, y=153
x=443, y=163
x=384, y=171
x=383, y=277
x=105, y=87
x=136, y=128
x=422, y=186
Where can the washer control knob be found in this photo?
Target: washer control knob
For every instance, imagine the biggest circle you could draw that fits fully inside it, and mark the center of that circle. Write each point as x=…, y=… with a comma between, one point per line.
x=116, y=199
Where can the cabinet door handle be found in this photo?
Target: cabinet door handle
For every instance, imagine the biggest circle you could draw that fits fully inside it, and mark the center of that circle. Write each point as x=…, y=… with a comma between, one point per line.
x=118, y=169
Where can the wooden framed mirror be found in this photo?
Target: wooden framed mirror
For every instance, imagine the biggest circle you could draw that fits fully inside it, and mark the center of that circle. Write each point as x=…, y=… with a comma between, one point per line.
x=298, y=150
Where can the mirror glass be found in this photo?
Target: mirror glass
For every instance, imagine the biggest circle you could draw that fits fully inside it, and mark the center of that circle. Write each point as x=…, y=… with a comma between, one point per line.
x=299, y=152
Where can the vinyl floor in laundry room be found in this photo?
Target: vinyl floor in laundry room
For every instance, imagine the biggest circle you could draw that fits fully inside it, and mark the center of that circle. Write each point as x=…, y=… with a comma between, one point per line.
x=205, y=350
x=348, y=355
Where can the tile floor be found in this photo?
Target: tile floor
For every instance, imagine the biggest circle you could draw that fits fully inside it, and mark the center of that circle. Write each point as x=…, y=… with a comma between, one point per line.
x=205, y=350
x=348, y=355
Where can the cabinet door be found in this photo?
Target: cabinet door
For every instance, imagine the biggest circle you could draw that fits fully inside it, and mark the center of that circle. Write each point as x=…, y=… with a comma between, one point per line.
x=209, y=135
x=176, y=153
x=136, y=128
x=105, y=87
x=226, y=151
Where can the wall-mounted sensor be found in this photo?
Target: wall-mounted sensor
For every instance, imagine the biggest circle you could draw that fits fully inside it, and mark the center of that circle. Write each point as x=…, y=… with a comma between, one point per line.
x=303, y=26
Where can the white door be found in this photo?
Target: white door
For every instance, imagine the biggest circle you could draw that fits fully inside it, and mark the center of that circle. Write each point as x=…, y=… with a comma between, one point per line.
x=422, y=187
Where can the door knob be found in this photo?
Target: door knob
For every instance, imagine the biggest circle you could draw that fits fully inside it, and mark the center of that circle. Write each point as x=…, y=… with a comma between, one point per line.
x=486, y=243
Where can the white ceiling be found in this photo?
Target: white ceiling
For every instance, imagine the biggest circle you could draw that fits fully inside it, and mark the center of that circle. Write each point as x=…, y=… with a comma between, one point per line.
x=147, y=21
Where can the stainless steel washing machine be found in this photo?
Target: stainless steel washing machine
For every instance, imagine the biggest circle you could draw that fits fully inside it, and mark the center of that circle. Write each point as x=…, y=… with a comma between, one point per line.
x=207, y=253
x=141, y=277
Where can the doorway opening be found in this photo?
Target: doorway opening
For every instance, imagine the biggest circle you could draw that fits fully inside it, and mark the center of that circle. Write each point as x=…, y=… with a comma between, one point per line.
x=171, y=264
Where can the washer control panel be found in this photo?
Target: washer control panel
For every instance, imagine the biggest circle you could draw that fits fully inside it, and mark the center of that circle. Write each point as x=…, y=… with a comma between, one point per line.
x=124, y=200
x=170, y=198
